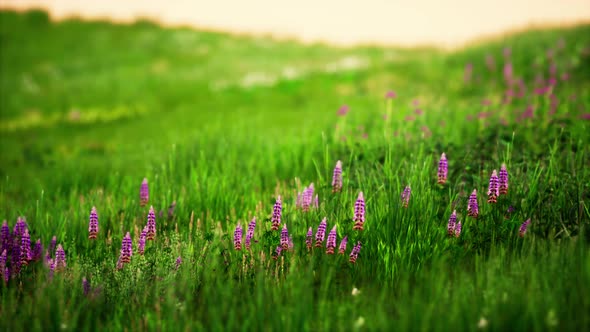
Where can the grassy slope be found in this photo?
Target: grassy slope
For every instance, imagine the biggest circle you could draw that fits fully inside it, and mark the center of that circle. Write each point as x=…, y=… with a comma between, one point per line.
x=89, y=109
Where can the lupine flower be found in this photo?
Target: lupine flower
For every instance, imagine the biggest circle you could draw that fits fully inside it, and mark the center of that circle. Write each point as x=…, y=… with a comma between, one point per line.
x=178, y=262
x=15, y=259
x=250, y=232
x=120, y=263
x=354, y=254
x=443, y=169
x=60, y=258
x=37, y=253
x=5, y=238
x=493, y=191
x=359, y=212
x=390, y=94
x=524, y=227
x=406, y=196
x=141, y=242
x=307, y=197
x=472, y=207
x=458, y=229
x=25, y=248
x=276, y=214
x=93, y=224
x=144, y=193
x=342, y=247
x=285, y=237
x=278, y=251
x=151, y=224
x=321, y=233
x=503, y=180
x=337, y=177
x=85, y=286
x=6, y=275
x=309, y=238
x=331, y=243
x=452, y=223
x=20, y=227
x=126, y=249
x=3, y=259
x=316, y=202
x=238, y=237
x=508, y=73
x=343, y=110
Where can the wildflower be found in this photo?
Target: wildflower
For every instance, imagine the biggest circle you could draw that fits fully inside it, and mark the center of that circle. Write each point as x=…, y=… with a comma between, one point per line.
x=144, y=193
x=51, y=264
x=3, y=260
x=523, y=228
x=355, y=291
x=354, y=254
x=443, y=169
x=276, y=214
x=285, y=237
x=141, y=242
x=503, y=180
x=93, y=224
x=25, y=248
x=60, y=258
x=390, y=94
x=309, y=238
x=238, y=237
x=37, y=253
x=299, y=201
x=85, y=286
x=307, y=197
x=331, y=243
x=52, y=244
x=15, y=259
x=171, y=209
x=342, y=247
x=178, y=262
x=359, y=212
x=5, y=238
x=406, y=196
x=458, y=229
x=472, y=207
x=343, y=110
x=250, y=232
x=468, y=72
x=126, y=249
x=321, y=233
x=452, y=223
x=151, y=224
x=508, y=73
x=278, y=252
x=493, y=191
x=20, y=227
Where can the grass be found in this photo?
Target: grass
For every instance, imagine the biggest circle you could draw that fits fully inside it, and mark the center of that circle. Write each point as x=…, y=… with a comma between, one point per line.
x=223, y=124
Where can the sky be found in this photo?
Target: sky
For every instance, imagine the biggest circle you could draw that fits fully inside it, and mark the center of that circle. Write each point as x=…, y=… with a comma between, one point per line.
x=445, y=23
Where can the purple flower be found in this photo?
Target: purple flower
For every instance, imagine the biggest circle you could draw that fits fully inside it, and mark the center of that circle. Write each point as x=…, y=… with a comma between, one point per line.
x=472, y=207
x=238, y=237
x=452, y=223
x=443, y=169
x=20, y=227
x=37, y=253
x=278, y=251
x=406, y=196
x=151, y=224
x=3, y=259
x=6, y=275
x=15, y=259
x=342, y=247
x=390, y=94
x=285, y=237
x=316, y=202
x=25, y=248
x=178, y=262
x=458, y=229
x=309, y=238
x=85, y=286
x=126, y=249
x=299, y=201
x=276, y=214
x=144, y=193
x=171, y=209
x=359, y=213
x=337, y=177
x=493, y=191
x=60, y=258
x=5, y=238
x=321, y=233
x=93, y=224
x=331, y=243
x=503, y=180
x=307, y=197
x=508, y=73
x=343, y=110
x=523, y=228
x=354, y=254
x=250, y=232
x=141, y=242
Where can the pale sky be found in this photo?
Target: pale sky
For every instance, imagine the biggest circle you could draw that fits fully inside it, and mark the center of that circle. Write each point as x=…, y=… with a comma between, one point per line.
x=396, y=22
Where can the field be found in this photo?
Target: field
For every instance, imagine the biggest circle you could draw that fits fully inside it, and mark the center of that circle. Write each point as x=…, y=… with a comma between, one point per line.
x=222, y=125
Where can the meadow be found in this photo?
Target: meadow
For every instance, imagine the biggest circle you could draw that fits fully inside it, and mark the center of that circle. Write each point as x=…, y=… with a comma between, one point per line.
x=139, y=156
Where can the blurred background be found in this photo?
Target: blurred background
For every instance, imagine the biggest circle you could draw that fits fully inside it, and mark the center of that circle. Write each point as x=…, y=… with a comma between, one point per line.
x=400, y=22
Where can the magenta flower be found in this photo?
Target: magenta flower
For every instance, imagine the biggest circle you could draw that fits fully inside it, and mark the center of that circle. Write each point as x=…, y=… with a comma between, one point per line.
x=452, y=223
x=20, y=227
x=321, y=233
x=37, y=253
x=5, y=238
x=151, y=224
x=337, y=177
x=359, y=212
x=276, y=214
x=285, y=237
x=443, y=169
x=523, y=228
x=178, y=262
x=331, y=243
x=25, y=248
x=299, y=201
x=93, y=224
x=508, y=73
x=250, y=232
x=458, y=229
x=472, y=206
x=126, y=249
x=316, y=202
x=238, y=237
x=343, y=110
x=503, y=180
x=493, y=191
x=85, y=286
x=60, y=258
x=307, y=197
x=141, y=242
x=144, y=193
x=354, y=254
x=406, y=196
x=309, y=238
x=390, y=94
x=342, y=247
x=278, y=252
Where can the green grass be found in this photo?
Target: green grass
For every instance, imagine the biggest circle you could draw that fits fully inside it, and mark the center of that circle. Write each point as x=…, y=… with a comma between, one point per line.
x=223, y=124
